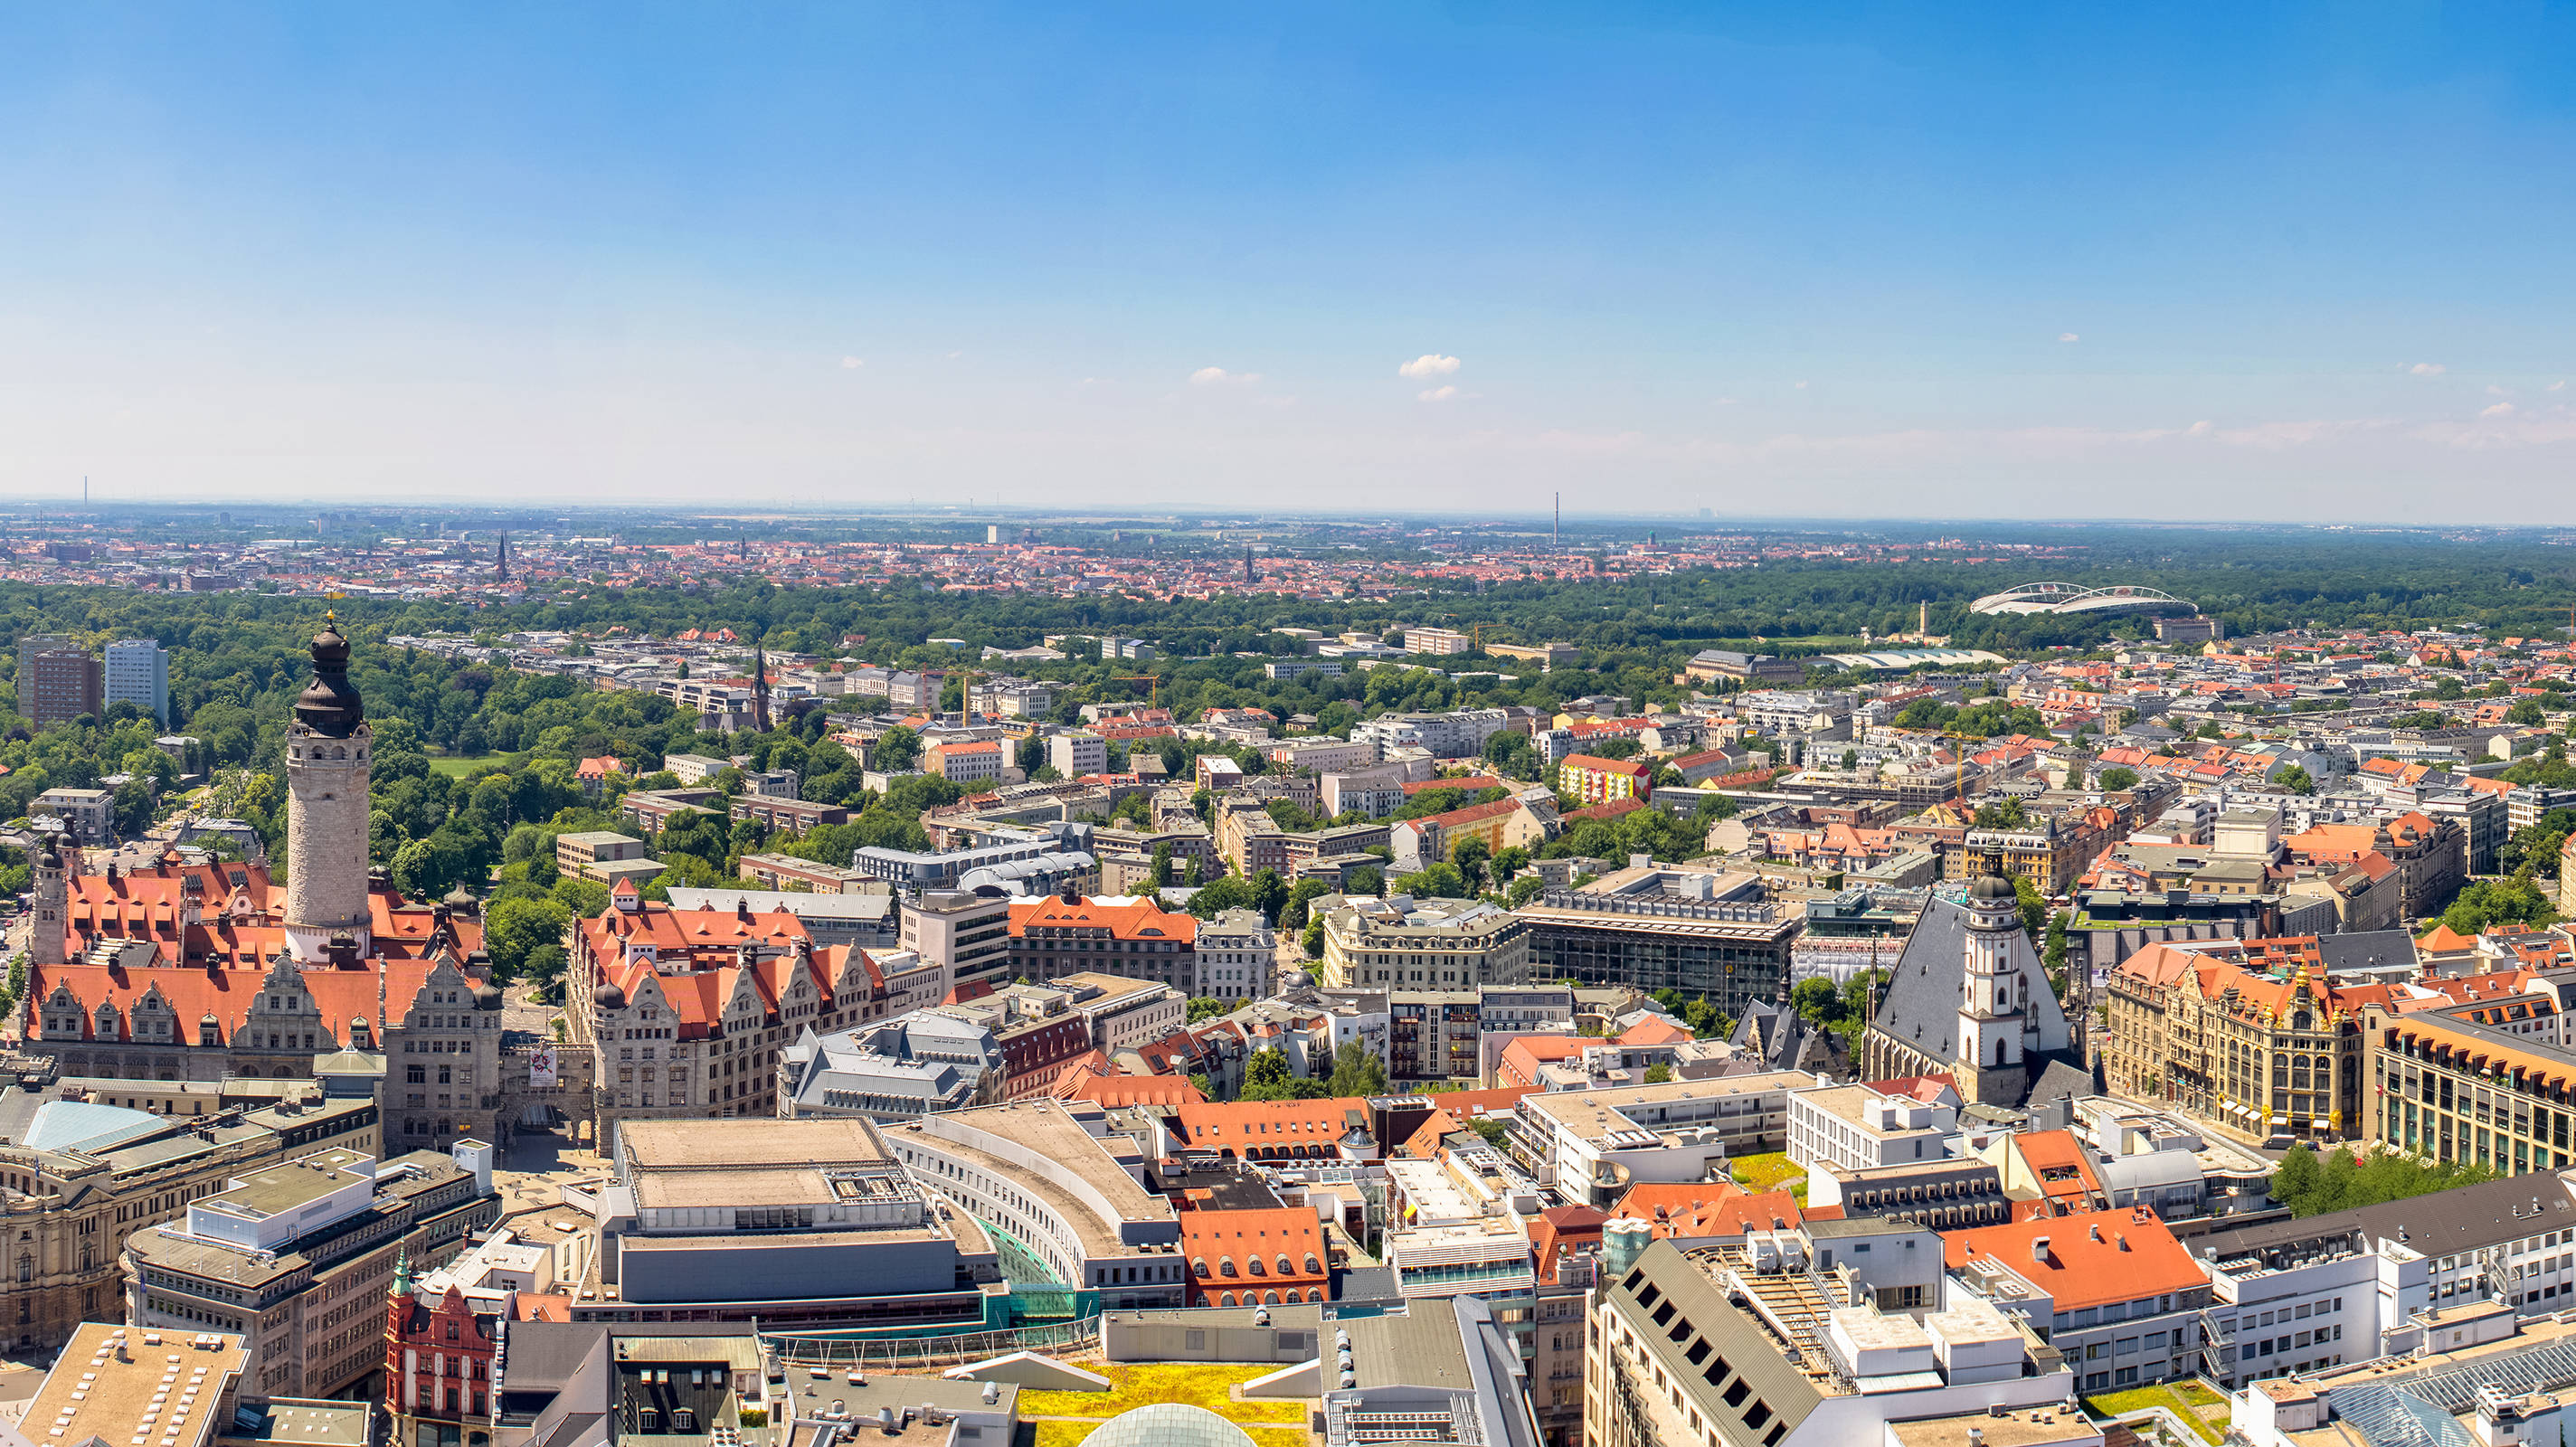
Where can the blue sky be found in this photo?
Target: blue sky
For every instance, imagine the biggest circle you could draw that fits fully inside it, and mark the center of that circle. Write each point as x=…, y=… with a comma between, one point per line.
x=2276, y=262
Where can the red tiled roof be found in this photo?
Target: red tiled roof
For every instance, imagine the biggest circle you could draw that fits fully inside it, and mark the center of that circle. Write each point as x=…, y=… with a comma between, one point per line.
x=1138, y=918
x=2135, y=1259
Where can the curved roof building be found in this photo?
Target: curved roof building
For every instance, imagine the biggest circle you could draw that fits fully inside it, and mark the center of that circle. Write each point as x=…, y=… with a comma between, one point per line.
x=1170, y=1424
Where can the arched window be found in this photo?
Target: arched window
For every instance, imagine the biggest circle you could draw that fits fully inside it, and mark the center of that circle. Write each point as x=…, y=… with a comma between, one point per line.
x=26, y=1267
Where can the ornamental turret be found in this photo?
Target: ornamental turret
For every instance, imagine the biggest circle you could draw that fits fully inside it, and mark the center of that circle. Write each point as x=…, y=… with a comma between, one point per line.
x=49, y=902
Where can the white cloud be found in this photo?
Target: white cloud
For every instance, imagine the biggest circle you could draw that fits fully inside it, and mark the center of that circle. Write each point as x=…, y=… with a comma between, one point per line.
x=1801, y=386
x=2201, y=428
x=1441, y=394
x=1220, y=377
x=2068, y=337
x=1726, y=401
x=2428, y=369
x=2501, y=409
x=2557, y=387
x=1429, y=364
x=851, y=364
x=2495, y=391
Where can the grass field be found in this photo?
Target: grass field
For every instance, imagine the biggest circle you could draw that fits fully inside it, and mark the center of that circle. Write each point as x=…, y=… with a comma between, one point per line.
x=1770, y=1171
x=457, y=768
x=2198, y=1406
x=1199, y=1385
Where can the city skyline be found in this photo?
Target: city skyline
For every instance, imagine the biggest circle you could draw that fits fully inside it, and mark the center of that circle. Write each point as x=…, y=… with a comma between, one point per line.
x=1873, y=264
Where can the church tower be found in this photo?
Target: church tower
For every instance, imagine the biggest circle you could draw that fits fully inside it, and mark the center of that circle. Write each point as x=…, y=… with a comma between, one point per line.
x=49, y=902
x=326, y=807
x=1994, y=1003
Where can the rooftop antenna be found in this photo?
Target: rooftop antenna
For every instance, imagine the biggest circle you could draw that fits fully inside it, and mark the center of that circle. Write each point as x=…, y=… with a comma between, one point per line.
x=1556, y=531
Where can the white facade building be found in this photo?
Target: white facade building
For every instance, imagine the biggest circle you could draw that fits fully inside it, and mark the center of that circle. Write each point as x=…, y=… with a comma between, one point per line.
x=1236, y=955
x=1854, y=1128
x=138, y=672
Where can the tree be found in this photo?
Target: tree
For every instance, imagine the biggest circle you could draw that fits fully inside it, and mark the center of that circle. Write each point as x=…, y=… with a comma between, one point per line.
x=2297, y=1176
x=2514, y=903
x=2034, y=908
x=1440, y=881
x=1851, y=760
x=2052, y=951
x=544, y=967
x=132, y=807
x=513, y=928
x=1266, y=1076
x=1658, y=1074
x=1523, y=890
x=1818, y=1001
x=2010, y=814
x=1470, y=855
x=1357, y=1071
x=896, y=750
x=1312, y=943
x=1210, y=900
x=2296, y=780
x=2116, y=779
x=1268, y=893
x=1203, y=1006
x=1162, y=862
x=1301, y=897
x=1492, y=1131
x=1513, y=756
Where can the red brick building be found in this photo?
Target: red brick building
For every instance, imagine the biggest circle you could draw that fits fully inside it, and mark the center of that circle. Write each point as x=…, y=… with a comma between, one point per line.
x=438, y=1365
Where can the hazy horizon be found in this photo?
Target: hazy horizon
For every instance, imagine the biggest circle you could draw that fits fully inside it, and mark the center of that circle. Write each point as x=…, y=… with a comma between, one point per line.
x=1833, y=264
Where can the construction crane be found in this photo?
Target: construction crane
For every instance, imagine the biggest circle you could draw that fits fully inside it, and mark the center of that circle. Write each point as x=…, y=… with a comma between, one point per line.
x=1959, y=758
x=1153, y=685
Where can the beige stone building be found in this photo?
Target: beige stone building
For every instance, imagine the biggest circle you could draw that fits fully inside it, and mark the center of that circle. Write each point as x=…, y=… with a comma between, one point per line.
x=86, y=1180
x=298, y=1255
x=2270, y=1052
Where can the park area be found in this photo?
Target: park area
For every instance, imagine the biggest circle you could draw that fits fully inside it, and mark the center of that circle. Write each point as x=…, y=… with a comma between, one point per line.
x=2197, y=1407
x=1065, y=1418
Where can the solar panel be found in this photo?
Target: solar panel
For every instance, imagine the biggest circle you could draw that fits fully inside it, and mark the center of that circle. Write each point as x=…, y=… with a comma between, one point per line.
x=2417, y=1408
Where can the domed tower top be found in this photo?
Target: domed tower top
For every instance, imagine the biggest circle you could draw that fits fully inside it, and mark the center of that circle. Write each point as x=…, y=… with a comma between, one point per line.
x=330, y=705
x=1992, y=903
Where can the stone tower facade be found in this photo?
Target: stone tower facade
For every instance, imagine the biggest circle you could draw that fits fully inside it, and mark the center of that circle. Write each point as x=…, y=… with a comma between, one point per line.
x=327, y=748
x=49, y=901
x=1994, y=1004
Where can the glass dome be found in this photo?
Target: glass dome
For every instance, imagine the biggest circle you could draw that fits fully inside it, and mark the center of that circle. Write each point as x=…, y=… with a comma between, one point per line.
x=1169, y=1424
